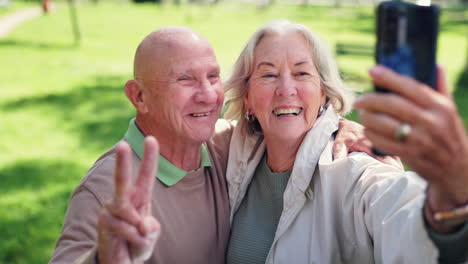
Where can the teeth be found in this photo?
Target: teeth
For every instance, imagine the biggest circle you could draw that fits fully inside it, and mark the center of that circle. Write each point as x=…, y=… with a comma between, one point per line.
x=287, y=111
x=200, y=114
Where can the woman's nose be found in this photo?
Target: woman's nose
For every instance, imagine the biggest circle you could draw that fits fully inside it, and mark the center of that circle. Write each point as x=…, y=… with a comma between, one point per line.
x=286, y=86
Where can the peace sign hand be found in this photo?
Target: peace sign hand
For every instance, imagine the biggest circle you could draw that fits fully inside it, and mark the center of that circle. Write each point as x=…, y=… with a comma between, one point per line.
x=127, y=231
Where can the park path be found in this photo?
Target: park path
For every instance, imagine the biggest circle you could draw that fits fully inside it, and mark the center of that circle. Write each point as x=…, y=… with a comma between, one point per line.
x=10, y=21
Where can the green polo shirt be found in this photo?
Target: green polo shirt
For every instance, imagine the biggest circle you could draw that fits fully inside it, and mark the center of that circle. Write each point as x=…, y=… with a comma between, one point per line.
x=167, y=172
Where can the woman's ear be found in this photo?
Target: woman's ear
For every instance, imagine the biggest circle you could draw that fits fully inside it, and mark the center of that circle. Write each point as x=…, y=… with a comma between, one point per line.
x=246, y=100
x=323, y=99
x=134, y=92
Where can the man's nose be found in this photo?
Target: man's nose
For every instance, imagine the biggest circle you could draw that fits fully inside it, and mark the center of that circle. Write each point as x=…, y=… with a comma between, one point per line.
x=286, y=86
x=207, y=92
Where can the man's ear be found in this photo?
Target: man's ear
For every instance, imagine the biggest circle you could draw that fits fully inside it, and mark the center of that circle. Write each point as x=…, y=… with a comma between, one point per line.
x=134, y=92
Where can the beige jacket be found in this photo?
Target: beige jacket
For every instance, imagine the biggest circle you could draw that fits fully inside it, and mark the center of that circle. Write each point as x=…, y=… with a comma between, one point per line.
x=352, y=210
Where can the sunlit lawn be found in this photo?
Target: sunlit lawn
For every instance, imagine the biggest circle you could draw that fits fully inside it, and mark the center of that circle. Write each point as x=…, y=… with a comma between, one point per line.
x=62, y=106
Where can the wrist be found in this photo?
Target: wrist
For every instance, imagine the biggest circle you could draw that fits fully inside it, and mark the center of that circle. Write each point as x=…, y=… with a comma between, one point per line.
x=443, y=215
x=444, y=199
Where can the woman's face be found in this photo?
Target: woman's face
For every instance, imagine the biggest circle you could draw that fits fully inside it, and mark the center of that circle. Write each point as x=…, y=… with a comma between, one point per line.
x=284, y=91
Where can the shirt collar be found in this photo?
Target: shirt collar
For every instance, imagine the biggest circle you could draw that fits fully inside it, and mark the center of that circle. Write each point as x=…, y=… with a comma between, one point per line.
x=167, y=172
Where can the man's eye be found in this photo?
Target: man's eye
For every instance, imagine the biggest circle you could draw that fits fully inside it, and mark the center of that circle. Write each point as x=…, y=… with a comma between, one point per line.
x=213, y=76
x=184, y=78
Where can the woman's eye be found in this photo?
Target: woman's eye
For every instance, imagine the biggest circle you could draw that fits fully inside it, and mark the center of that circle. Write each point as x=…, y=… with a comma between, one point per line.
x=302, y=75
x=268, y=76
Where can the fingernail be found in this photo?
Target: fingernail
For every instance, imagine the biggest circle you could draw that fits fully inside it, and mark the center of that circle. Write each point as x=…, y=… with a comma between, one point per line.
x=358, y=102
x=376, y=71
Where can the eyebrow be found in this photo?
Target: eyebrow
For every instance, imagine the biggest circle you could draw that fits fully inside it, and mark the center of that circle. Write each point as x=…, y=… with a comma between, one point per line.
x=301, y=63
x=265, y=63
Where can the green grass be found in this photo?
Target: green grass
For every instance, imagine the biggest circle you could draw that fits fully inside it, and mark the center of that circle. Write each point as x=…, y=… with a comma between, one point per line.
x=63, y=105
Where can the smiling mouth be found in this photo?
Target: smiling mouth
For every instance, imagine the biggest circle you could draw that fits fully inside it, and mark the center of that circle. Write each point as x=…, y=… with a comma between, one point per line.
x=294, y=111
x=200, y=114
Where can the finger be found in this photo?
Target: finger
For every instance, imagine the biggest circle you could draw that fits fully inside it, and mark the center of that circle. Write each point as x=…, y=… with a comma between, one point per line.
x=148, y=225
x=350, y=138
x=427, y=169
x=140, y=254
x=403, y=85
x=124, y=210
x=113, y=226
x=392, y=161
x=148, y=170
x=386, y=126
x=382, y=124
x=441, y=82
x=123, y=171
x=416, y=147
x=339, y=150
x=436, y=122
x=361, y=145
x=383, y=143
x=394, y=105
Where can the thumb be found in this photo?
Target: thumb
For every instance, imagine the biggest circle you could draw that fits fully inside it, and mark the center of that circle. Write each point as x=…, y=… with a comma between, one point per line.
x=141, y=254
x=149, y=225
x=339, y=150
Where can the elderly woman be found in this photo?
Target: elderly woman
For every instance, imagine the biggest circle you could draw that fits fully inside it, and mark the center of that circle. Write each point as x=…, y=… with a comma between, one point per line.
x=290, y=201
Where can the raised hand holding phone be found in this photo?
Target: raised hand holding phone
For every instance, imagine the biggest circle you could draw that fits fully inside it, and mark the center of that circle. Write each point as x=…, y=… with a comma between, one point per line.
x=127, y=231
x=437, y=146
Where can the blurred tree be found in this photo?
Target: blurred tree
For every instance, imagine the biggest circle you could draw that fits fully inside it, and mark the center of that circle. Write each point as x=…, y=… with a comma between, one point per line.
x=74, y=22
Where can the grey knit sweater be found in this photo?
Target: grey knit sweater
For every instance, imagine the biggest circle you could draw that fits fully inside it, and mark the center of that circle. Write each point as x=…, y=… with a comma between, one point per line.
x=254, y=224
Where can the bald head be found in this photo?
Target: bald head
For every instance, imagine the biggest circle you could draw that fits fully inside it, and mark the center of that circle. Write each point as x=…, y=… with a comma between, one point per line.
x=160, y=46
x=177, y=90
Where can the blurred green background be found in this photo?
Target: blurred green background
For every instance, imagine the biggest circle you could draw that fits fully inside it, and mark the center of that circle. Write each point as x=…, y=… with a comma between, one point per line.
x=62, y=102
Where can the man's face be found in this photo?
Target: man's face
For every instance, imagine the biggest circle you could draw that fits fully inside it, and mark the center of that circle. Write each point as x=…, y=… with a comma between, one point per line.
x=184, y=93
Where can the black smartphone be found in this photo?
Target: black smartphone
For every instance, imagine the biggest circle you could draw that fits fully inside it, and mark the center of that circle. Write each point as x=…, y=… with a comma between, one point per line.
x=407, y=40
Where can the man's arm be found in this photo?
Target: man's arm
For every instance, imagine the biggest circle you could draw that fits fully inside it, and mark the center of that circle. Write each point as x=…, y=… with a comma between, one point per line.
x=118, y=230
x=79, y=229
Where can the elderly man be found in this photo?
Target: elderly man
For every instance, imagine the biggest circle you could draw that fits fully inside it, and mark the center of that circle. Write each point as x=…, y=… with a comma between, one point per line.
x=178, y=95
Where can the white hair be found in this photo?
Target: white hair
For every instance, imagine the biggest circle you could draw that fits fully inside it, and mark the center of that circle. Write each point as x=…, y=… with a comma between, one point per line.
x=339, y=96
